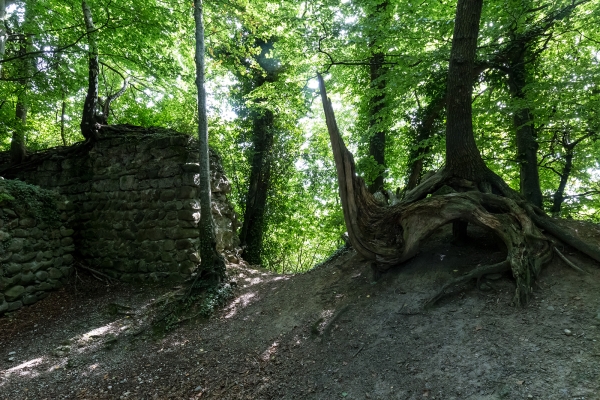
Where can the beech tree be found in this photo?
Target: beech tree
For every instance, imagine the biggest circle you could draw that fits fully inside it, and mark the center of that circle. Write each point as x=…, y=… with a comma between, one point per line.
x=464, y=191
x=212, y=267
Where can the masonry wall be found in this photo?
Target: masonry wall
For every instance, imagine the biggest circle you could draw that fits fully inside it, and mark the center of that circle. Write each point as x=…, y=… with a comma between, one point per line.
x=135, y=201
x=36, y=244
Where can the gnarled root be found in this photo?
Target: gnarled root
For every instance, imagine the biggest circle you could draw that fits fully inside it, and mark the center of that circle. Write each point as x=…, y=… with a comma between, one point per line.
x=391, y=235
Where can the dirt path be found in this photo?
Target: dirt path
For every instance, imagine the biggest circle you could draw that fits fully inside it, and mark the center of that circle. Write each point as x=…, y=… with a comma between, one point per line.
x=327, y=334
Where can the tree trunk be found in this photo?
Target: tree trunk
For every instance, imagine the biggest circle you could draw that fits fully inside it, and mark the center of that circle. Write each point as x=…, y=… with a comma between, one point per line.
x=252, y=232
x=63, y=114
x=377, y=131
x=433, y=113
x=527, y=145
x=2, y=31
x=212, y=263
x=462, y=156
x=559, y=195
x=89, y=129
x=377, y=97
x=18, y=149
x=262, y=137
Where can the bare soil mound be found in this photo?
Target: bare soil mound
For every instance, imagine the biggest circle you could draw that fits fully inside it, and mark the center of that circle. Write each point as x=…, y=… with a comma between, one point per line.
x=331, y=333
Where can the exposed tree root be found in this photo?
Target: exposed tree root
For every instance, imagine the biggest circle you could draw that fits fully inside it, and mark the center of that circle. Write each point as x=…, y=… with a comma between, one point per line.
x=390, y=235
x=477, y=274
x=568, y=262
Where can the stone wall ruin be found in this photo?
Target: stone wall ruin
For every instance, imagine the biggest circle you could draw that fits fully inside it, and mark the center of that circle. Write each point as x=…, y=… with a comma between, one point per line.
x=134, y=196
x=36, y=244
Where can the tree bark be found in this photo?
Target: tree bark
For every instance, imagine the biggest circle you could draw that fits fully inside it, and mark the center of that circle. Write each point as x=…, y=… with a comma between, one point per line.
x=262, y=137
x=212, y=263
x=559, y=195
x=433, y=114
x=2, y=31
x=89, y=129
x=251, y=235
x=63, y=114
x=377, y=97
x=18, y=149
x=377, y=131
x=463, y=158
x=527, y=145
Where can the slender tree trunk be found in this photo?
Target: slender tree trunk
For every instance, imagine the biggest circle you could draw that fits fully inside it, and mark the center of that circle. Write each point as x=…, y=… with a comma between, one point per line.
x=2, y=31
x=559, y=195
x=462, y=156
x=18, y=149
x=433, y=114
x=212, y=263
x=527, y=145
x=377, y=99
x=63, y=114
x=263, y=131
x=252, y=232
x=377, y=131
x=89, y=129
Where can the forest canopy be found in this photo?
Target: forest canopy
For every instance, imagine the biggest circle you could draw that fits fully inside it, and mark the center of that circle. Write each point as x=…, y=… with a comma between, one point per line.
x=535, y=102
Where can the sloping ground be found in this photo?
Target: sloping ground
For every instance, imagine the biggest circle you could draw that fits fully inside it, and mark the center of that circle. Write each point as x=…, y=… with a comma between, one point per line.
x=330, y=333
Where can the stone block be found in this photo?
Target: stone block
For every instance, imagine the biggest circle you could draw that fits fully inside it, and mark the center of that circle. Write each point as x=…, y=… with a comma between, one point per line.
x=9, y=213
x=127, y=182
x=168, y=171
x=168, y=245
x=4, y=236
x=14, y=293
x=20, y=233
x=23, y=257
x=155, y=234
x=41, y=276
x=167, y=195
x=27, y=222
x=191, y=167
x=54, y=273
x=11, y=269
x=66, y=232
x=15, y=305
x=175, y=233
x=58, y=261
x=188, y=215
x=55, y=284
x=66, y=241
x=43, y=287
x=27, y=278
x=184, y=244
x=126, y=235
x=165, y=183
x=3, y=307
x=29, y=299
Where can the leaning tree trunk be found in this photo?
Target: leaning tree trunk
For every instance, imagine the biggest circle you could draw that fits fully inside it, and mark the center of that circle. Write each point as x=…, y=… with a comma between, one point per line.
x=212, y=263
x=89, y=128
x=464, y=190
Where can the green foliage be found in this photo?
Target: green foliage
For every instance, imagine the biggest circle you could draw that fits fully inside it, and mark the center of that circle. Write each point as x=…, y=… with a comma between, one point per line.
x=30, y=200
x=151, y=43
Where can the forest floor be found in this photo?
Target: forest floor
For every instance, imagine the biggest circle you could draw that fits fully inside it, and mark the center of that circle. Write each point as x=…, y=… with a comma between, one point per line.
x=331, y=333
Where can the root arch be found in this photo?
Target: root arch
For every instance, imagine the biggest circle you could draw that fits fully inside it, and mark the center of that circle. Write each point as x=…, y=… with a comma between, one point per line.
x=390, y=235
